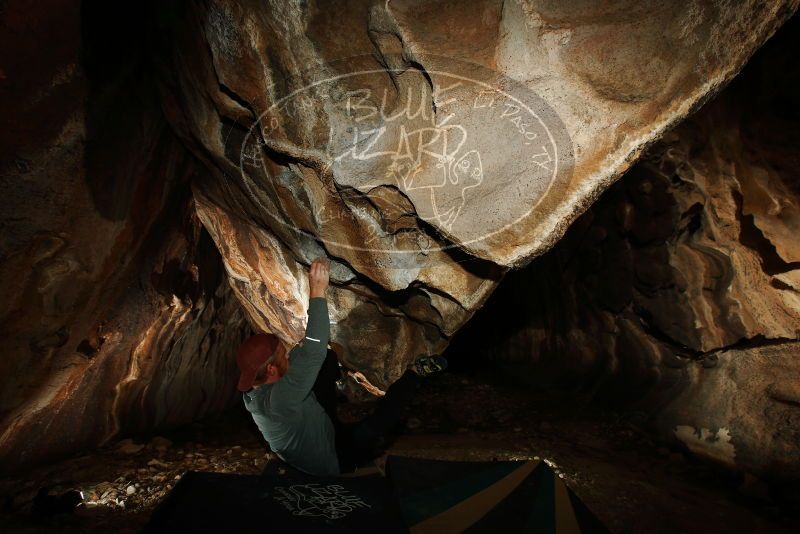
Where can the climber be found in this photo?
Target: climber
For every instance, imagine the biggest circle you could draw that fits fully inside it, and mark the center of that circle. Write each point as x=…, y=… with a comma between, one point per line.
x=292, y=397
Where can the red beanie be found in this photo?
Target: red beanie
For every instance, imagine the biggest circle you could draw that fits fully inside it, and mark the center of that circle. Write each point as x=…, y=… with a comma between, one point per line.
x=251, y=355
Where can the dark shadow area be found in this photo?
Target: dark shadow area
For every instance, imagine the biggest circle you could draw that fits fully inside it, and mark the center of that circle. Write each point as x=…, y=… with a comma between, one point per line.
x=124, y=123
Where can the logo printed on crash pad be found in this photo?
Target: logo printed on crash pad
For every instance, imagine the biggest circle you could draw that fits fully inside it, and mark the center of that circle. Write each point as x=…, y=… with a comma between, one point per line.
x=316, y=500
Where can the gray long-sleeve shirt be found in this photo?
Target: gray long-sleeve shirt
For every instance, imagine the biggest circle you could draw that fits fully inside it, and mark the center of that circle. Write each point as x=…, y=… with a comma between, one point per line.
x=287, y=412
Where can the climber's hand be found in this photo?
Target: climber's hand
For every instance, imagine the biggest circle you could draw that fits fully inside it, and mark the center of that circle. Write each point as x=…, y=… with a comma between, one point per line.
x=318, y=277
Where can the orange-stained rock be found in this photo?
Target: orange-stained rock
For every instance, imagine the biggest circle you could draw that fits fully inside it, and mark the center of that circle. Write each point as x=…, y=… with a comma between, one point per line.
x=115, y=316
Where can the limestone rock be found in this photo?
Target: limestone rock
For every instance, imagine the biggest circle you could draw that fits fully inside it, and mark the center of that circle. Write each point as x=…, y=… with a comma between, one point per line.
x=127, y=446
x=160, y=444
x=115, y=316
x=424, y=146
x=676, y=291
x=750, y=417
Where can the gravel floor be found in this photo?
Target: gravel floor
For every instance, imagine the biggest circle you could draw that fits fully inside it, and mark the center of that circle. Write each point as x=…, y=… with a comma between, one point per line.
x=632, y=483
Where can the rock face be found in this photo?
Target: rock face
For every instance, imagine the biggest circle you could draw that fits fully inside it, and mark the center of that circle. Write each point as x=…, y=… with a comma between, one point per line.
x=424, y=146
x=116, y=315
x=165, y=188
x=678, y=288
x=749, y=418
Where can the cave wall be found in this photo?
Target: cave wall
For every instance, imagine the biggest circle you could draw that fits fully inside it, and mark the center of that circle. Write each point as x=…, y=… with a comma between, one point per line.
x=163, y=192
x=116, y=316
x=676, y=292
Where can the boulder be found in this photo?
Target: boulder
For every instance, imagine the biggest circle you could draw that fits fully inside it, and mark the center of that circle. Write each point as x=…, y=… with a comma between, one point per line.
x=425, y=147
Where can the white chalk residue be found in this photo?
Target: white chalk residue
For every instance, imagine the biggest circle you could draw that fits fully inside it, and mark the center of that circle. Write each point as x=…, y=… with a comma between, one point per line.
x=705, y=442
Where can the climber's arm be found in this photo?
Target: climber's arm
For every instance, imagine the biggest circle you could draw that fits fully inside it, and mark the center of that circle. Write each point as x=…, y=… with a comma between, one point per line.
x=306, y=359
